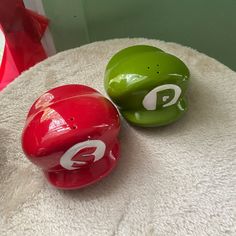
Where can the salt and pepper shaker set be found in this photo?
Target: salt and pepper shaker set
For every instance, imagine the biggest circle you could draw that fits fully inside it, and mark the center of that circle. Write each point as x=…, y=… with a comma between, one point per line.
x=71, y=131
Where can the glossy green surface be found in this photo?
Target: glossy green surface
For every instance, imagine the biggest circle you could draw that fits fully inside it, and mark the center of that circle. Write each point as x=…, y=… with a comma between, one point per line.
x=134, y=72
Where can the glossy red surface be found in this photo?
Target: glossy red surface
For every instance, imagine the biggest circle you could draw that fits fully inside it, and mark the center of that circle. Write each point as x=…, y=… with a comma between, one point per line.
x=71, y=133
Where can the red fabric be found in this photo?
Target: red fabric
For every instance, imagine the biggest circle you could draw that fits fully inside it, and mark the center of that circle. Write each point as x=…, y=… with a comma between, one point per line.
x=23, y=30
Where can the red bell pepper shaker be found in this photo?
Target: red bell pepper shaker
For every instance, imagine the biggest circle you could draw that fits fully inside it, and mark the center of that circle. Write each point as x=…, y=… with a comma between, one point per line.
x=71, y=134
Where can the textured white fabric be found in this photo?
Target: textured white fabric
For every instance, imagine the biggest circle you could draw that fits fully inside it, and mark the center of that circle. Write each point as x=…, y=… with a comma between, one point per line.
x=175, y=180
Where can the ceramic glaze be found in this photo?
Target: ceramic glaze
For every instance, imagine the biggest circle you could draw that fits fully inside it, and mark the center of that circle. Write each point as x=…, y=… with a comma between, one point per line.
x=148, y=85
x=71, y=134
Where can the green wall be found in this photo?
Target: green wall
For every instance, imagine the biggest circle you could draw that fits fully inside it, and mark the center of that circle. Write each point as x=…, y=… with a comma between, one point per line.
x=206, y=25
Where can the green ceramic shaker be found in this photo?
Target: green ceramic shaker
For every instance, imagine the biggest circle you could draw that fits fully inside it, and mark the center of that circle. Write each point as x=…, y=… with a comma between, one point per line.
x=148, y=85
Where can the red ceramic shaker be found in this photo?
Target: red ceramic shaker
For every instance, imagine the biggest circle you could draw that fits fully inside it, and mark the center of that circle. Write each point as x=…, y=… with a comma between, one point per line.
x=71, y=134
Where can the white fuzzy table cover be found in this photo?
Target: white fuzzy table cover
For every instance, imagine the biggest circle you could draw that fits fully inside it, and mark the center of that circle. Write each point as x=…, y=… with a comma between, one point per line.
x=175, y=180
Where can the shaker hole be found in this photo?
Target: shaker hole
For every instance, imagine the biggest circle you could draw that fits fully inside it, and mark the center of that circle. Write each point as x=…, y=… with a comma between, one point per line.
x=74, y=127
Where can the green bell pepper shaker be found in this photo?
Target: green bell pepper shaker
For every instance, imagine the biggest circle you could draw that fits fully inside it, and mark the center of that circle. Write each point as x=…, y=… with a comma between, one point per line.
x=148, y=85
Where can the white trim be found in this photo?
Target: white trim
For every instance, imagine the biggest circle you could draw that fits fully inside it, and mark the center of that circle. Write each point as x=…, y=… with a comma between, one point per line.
x=2, y=45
